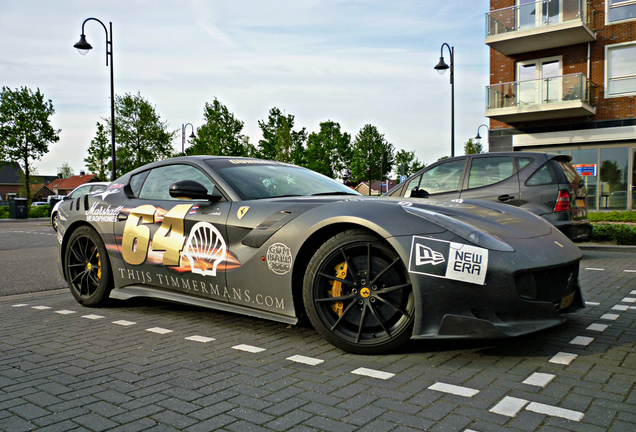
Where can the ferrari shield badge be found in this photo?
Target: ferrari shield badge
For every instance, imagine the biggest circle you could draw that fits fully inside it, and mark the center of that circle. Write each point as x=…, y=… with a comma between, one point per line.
x=242, y=212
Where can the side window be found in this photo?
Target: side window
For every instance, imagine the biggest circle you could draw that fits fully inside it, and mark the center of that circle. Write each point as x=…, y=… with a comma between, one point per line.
x=523, y=162
x=415, y=181
x=485, y=171
x=444, y=177
x=543, y=176
x=158, y=182
x=80, y=191
x=137, y=181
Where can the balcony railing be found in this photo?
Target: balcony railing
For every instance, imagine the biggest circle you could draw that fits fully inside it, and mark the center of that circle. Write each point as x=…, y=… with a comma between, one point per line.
x=532, y=15
x=539, y=25
x=569, y=95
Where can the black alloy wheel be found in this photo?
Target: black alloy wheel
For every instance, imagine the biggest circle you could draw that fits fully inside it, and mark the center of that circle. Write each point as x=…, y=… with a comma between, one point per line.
x=358, y=294
x=87, y=268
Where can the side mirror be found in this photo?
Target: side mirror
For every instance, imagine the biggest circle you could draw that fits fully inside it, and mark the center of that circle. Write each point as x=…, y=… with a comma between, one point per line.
x=189, y=189
x=416, y=192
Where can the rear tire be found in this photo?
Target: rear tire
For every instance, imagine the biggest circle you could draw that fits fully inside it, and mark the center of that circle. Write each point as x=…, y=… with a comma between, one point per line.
x=358, y=294
x=87, y=268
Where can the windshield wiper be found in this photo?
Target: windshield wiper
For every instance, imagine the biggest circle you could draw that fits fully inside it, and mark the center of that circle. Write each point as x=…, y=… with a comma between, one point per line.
x=333, y=193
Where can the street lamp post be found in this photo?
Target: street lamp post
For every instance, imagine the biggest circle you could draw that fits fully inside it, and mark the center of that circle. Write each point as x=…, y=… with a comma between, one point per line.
x=478, y=137
x=441, y=68
x=83, y=47
x=183, y=137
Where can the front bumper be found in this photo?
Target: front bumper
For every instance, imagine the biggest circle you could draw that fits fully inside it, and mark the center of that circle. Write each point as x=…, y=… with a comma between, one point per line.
x=524, y=291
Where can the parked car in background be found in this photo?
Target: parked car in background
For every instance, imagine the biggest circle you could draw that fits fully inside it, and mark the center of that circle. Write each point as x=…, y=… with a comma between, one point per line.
x=39, y=203
x=77, y=192
x=542, y=183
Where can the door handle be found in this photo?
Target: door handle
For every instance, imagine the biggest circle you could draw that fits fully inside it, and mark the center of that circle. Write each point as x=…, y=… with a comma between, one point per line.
x=122, y=217
x=504, y=198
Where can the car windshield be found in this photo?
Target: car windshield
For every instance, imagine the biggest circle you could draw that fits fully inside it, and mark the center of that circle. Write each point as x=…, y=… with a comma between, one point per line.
x=258, y=179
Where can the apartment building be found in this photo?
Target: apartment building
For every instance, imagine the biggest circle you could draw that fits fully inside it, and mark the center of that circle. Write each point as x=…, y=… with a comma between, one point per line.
x=563, y=80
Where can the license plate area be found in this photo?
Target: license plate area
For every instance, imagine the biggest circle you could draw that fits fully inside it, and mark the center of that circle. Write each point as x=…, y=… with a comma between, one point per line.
x=566, y=301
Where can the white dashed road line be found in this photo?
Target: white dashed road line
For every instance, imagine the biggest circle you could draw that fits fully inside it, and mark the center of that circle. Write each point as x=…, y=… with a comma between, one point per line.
x=555, y=411
x=509, y=406
x=203, y=339
x=41, y=307
x=65, y=312
x=610, y=317
x=453, y=389
x=597, y=327
x=93, y=317
x=124, y=323
x=563, y=358
x=539, y=379
x=582, y=340
x=159, y=330
x=248, y=348
x=373, y=373
x=305, y=360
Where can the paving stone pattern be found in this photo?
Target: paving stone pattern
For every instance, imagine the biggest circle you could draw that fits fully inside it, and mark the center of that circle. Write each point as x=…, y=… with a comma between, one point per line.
x=150, y=366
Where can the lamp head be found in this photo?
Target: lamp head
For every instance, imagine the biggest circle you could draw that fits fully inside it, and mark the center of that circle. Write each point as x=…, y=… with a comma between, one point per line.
x=83, y=46
x=192, y=135
x=441, y=66
x=478, y=137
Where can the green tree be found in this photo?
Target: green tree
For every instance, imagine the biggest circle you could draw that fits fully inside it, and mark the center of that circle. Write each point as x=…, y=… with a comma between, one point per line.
x=140, y=134
x=373, y=155
x=66, y=170
x=25, y=128
x=99, y=159
x=473, y=147
x=411, y=163
x=221, y=134
x=280, y=142
x=329, y=151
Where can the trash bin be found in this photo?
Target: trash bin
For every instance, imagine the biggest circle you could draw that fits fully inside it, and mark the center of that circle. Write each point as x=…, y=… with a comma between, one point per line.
x=18, y=208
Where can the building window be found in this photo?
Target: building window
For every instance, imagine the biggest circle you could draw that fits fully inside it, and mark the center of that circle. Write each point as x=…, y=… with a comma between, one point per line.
x=620, y=10
x=536, y=81
x=620, y=76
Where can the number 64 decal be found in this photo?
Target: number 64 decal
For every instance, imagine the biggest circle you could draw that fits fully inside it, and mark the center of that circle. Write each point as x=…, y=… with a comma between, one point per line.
x=169, y=238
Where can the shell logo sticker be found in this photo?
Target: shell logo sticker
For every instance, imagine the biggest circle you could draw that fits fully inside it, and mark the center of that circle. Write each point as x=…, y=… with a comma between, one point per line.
x=242, y=212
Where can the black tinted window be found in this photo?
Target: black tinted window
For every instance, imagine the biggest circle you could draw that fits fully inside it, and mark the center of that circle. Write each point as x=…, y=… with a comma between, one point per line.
x=444, y=177
x=543, y=176
x=485, y=171
x=158, y=182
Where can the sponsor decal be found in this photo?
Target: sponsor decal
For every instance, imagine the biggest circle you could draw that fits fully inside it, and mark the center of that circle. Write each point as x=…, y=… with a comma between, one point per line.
x=205, y=244
x=449, y=260
x=100, y=213
x=193, y=210
x=242, y=212
x=426, y=255
x=200, y=252
x=279, y=258
x=210, y=289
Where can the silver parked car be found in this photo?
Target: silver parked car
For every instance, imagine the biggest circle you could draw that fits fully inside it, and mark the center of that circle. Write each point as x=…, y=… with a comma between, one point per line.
x=77, y=192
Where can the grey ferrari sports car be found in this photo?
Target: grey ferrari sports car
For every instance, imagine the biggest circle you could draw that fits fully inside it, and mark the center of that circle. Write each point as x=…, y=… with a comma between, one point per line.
x=276, y=241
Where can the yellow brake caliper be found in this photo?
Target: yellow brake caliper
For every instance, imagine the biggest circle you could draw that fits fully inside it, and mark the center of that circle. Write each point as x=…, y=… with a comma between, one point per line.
x=99, y=263
x=336, y=287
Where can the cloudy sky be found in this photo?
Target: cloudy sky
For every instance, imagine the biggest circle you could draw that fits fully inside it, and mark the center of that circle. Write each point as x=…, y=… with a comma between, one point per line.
x=351, y=61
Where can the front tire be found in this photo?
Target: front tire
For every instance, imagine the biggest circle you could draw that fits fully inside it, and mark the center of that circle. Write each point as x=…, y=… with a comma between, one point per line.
x=54, y=221
x=87, y=268
x=358, y=294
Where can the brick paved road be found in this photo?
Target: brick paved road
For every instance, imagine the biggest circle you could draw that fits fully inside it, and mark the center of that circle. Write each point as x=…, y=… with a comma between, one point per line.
x=156, y=367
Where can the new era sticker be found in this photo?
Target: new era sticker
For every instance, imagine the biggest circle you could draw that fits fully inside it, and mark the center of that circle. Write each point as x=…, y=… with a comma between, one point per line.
x=449, y=260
